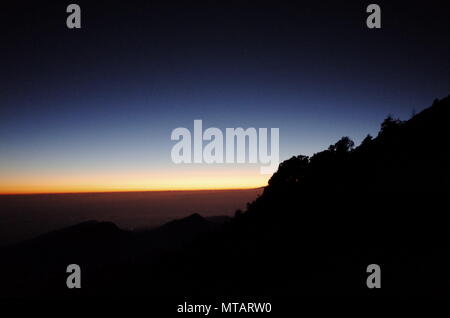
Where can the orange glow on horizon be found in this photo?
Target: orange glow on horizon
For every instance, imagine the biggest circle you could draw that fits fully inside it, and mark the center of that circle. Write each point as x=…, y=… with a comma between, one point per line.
x=97, y=190
x=173, y=180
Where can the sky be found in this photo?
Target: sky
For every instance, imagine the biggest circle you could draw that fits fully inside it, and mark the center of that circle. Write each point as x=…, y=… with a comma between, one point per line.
x=93, y=109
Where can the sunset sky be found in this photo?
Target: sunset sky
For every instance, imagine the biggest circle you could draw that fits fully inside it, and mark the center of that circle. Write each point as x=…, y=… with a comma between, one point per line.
x=93, y=109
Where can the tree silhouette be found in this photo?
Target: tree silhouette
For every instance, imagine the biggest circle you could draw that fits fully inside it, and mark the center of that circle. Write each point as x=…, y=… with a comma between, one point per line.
x=344, y=145
x=389, y=125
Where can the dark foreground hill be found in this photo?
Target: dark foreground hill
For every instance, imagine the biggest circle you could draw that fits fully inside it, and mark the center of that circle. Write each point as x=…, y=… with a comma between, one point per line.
x=312, y=233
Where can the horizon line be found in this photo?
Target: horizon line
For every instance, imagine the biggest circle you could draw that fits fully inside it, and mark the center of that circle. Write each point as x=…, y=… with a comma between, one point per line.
x=130, y=191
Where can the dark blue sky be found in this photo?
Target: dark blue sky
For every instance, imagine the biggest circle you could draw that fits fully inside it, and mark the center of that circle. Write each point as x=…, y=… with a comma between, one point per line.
x=104, y=99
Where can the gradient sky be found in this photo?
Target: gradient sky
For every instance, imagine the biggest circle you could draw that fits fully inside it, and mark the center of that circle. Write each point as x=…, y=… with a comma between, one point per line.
x=93, y=109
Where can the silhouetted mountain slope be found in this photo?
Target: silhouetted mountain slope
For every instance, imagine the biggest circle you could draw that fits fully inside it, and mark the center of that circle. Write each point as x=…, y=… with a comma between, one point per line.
x=312, y=233
x=91, y=232
x=93, y=245
x=324, y=219
x=176, y=233
x=193, y=222
x=345, y=208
